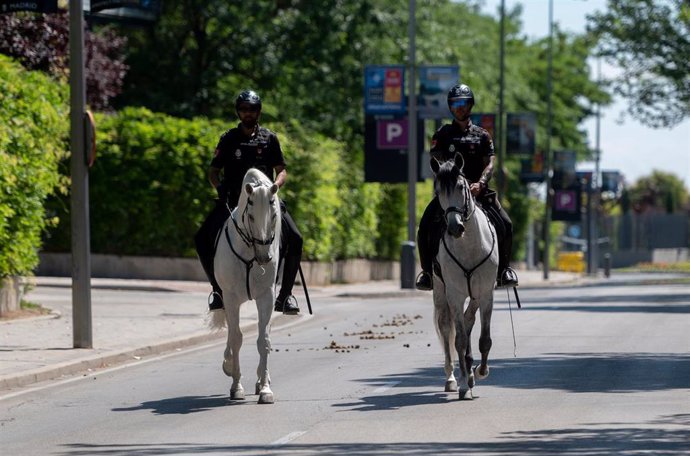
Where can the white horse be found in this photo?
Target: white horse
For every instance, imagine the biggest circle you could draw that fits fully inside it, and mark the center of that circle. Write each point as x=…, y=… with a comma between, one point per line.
x=468, y=260
x=245, y=265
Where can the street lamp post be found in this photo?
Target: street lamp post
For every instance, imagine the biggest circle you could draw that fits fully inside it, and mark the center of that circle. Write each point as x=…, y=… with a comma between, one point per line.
x=547, y=158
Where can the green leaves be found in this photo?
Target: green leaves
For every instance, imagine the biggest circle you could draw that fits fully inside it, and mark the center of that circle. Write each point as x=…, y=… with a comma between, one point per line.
x=33, y=133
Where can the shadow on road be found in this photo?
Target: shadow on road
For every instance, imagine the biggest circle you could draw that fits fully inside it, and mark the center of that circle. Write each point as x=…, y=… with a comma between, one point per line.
x=601, y=439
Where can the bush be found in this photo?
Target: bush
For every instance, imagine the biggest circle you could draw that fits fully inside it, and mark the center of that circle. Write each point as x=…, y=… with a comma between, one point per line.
x=33, y=134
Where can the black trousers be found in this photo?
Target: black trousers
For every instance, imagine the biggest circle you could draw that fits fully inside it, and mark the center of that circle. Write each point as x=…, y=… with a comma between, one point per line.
x=432, y=226
x=290, y=246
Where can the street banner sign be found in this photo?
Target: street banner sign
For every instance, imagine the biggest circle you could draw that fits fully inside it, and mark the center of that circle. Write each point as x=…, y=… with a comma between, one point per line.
x=385, y=149
x=521, y=131
x=384, y=89
x=34, y=6
x=485, y=120
x=610, y=181
x=532, y=168
x=567, y=205
x=564, y=176
x=434, y=84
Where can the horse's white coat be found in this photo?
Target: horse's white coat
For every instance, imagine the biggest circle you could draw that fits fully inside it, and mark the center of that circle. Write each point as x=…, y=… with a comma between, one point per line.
x=258, y=217
x=476, y=241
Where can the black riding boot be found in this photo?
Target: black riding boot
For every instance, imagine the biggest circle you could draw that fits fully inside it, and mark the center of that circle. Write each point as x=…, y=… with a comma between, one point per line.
x=506, y=277
x=205, y=241
x=291, y=255
x=428, y=236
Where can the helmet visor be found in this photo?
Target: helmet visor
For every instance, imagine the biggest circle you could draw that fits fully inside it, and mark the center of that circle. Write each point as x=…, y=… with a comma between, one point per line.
x=246, y=107
x=456, y=103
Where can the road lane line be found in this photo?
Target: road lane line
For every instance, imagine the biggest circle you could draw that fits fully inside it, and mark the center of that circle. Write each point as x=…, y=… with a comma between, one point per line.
x=288, y=438
x=385, y=387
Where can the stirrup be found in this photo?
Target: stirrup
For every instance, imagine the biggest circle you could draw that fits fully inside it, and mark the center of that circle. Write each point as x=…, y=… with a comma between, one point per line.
x=507, y=278
x=215, y=301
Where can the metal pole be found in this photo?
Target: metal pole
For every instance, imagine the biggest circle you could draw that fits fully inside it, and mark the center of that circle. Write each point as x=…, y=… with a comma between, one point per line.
x=596, y=186
x=501, y=83
x=547, y=158
x=407, y=261
x=81, y=256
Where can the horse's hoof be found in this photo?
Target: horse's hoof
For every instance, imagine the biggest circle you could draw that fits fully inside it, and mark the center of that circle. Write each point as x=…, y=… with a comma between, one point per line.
x=466, y=395
x=266, y=398
x=237, y=395
x=451, y=386
x=481, y=374
x=226, y=368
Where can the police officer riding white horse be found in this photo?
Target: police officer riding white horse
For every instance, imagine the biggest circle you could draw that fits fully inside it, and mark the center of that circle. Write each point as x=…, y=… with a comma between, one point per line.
x=246, y=146
x=476, y=147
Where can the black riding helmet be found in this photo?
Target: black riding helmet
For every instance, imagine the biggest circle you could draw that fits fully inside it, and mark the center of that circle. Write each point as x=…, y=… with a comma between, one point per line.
x=248, y=97
x=460, y=92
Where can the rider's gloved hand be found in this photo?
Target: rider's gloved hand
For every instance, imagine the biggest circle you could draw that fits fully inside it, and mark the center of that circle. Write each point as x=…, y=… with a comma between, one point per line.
x=222, y=190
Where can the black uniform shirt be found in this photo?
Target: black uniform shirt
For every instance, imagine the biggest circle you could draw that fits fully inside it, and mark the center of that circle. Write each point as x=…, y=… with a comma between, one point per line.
x=474, y=143
x=236, y=153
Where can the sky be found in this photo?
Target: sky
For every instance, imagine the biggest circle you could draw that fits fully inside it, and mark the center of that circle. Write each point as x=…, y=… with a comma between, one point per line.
x=630, y=147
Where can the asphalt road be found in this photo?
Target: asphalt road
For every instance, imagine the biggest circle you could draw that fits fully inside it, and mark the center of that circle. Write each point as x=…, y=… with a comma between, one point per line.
x=596, y=370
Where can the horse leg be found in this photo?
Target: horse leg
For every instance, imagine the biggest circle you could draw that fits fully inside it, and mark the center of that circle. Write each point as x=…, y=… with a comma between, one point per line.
x=470, y=314
x=486, y=310
x=461, y=345
x=445, y=330
x=264, y=305
x=231, y=359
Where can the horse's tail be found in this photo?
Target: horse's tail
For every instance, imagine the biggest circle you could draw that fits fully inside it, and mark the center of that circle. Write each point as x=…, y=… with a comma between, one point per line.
x=216, y=320
x=444, y=323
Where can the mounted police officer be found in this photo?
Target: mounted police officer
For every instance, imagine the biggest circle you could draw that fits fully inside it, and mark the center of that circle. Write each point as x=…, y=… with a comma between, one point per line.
x=248, y=145
x=477, y=149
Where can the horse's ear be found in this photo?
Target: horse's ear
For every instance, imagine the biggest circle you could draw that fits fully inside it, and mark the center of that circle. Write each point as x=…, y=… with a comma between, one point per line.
x=274, y=189
x=458, y=160
x=249, y=189
x=435, y=165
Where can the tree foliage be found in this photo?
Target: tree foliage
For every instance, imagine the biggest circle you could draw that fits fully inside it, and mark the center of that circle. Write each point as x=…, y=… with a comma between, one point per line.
x=660, y=192
x=650, y=41
x=33, y=126
x=41, y=42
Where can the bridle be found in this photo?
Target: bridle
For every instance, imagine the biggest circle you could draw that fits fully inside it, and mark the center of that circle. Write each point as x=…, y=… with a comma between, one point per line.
x=249, y=239
x=468, y=208
x=466, y=212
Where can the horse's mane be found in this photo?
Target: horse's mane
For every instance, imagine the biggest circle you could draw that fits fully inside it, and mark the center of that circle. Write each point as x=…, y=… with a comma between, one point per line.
x=447, y=176
x=256, y=178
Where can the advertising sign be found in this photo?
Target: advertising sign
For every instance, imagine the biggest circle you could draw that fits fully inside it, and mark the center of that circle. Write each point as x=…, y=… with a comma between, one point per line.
x=35, y=6
x=521, y=129
x=434, y=84
x=564, y=176
x=567, y=205
x=383, y=89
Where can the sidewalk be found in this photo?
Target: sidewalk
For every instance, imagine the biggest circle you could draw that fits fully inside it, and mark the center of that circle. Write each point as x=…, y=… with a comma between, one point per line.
x=134, y=319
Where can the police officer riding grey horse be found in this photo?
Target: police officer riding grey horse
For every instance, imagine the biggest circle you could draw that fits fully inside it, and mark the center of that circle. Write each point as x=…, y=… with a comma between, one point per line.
x=477, y=149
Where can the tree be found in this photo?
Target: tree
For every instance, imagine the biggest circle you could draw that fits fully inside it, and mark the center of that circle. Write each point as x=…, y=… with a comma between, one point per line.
x=649, y=41
x=659, y=192
x=40, y=42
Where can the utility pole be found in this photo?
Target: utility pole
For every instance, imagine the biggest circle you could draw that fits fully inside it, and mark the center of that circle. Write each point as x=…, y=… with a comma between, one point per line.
x=547, y=158
x=408, y=262
x=501, y=96
x=81, y=242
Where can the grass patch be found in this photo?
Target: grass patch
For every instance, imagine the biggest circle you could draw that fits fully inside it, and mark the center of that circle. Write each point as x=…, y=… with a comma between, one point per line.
x=682, y=267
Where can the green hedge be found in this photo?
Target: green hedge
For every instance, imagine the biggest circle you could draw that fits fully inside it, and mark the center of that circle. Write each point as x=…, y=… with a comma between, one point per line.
x=149, y=192
x=33, y=131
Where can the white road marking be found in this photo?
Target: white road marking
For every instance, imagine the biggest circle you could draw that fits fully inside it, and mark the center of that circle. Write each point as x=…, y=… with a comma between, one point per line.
x=289, y=438
x=385, y=387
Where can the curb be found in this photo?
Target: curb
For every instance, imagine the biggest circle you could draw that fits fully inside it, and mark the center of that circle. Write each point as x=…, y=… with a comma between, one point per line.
x=102, y=360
